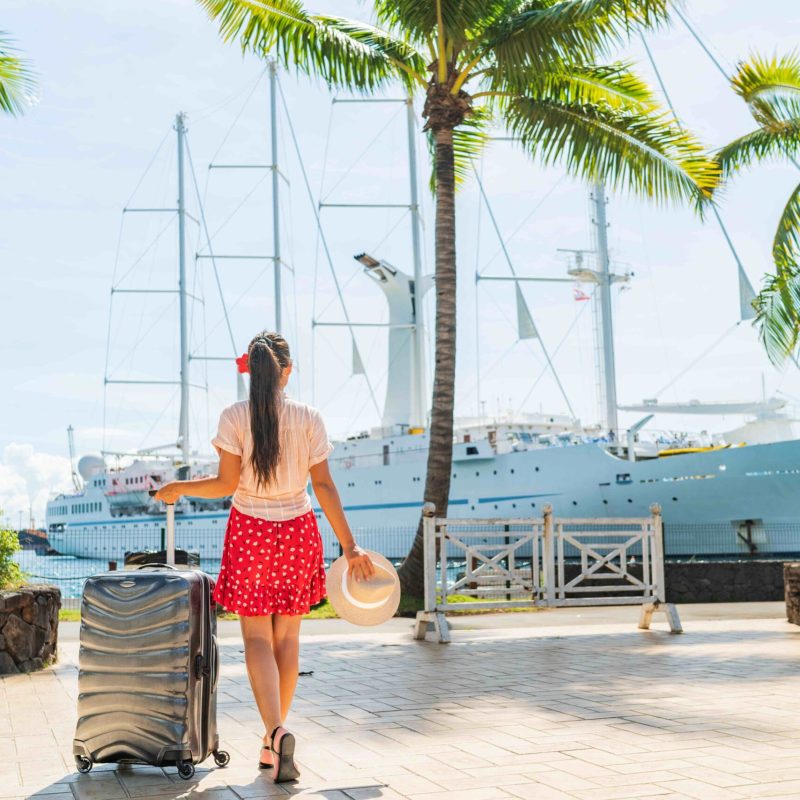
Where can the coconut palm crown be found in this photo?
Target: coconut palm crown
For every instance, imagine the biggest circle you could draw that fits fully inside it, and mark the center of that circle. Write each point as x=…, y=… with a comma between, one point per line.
x=540, y=68
x=771, y=89
x=16, y=78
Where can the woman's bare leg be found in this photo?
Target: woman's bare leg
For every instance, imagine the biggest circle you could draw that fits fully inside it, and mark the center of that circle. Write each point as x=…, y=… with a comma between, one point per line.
x=262, y=669
x=286, y=646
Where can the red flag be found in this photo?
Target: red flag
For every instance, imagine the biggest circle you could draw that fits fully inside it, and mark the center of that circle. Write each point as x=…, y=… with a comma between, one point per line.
x=579, y=294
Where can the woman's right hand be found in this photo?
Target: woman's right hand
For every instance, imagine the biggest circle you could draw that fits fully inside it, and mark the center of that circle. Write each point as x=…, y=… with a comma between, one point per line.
x=359, y=562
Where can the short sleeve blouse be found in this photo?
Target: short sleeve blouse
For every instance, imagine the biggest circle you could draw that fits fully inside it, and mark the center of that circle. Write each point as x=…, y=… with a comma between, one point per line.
x=304, y=443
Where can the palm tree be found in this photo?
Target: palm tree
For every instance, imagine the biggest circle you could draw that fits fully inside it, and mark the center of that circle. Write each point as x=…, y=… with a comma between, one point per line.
x=535, y=66
x=771, y=89
x=16, y=79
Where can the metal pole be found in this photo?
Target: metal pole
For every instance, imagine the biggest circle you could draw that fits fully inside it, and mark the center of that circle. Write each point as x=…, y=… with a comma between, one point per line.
x=276, y=220
x=170, y=554
x=606, y=325
x=183, y=426
x=419, y=407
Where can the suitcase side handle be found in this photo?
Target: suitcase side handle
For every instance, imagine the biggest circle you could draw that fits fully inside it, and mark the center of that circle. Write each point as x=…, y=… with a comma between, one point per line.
x=159, y=566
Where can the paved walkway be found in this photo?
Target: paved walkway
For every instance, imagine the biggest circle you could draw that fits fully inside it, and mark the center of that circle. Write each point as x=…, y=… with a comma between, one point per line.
x=574, y=705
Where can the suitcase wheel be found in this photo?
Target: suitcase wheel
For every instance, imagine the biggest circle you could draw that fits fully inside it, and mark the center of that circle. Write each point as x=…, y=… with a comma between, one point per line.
x=83, y=764
x=185, y=769
x=222, y=758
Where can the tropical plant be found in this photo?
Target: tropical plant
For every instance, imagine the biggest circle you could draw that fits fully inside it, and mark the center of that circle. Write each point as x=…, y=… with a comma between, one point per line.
x=16, y=78
x=536, y=67
x=10, y=573
x=771, y=89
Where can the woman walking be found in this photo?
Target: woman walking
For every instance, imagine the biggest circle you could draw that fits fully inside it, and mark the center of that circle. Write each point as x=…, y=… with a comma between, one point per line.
x=272, y=568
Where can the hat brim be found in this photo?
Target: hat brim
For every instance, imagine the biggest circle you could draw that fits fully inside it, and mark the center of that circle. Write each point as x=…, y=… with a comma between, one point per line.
x=345, y=609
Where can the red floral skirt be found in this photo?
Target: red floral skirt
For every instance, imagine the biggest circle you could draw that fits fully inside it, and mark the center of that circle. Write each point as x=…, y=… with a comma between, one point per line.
x=271, y=567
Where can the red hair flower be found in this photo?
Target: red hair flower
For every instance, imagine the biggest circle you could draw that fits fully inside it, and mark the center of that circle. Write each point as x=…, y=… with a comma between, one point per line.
x=243, y=363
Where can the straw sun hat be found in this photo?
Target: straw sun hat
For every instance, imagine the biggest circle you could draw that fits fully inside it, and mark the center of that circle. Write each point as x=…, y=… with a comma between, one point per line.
x=364, y=602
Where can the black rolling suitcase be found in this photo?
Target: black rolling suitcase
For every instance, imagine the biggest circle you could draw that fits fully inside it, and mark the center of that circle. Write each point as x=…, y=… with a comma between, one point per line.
x=148, y=668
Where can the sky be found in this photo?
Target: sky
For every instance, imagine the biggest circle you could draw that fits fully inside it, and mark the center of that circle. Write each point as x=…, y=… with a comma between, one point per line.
x=111, y=78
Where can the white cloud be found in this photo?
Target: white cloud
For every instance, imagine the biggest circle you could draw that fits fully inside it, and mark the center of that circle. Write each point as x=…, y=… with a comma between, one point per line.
x=27, y=479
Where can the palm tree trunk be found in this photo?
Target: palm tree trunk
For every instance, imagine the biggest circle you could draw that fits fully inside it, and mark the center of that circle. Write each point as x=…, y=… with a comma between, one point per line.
x=440, y=451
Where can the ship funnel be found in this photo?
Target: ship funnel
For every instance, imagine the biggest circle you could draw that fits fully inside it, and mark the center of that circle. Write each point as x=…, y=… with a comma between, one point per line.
x=404, y=398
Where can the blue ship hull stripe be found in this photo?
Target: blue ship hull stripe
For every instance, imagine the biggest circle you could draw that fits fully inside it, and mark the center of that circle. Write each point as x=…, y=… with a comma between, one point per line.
x=516, y=497
x=186, y=518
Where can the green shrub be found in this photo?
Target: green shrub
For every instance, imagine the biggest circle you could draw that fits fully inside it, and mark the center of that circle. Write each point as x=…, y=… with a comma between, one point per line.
x=10, y=573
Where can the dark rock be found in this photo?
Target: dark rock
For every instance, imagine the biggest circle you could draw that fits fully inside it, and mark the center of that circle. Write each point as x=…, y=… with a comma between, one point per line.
x=10, y=601
x=19, y=639
x=791, y=574
x=723, y=581
x=7, y=665
x=29, y=624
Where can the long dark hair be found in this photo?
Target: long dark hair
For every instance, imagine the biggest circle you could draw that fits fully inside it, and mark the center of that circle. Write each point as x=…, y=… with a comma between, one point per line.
x=267, y=356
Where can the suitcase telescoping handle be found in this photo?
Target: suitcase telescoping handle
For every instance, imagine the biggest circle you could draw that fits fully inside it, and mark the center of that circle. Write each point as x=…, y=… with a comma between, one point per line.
x=170, y=538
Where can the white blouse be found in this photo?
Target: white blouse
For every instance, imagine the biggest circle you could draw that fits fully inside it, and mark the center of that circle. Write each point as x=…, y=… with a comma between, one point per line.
x=304, y=442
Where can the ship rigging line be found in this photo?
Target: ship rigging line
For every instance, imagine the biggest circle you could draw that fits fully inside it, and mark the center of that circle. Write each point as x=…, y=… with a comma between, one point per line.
x=558, y=347
x=202, y=213
x=514, y=273
x=714, y=209
x=323, y=240
x=724, y=230
x=714, y=61
x=114, y=281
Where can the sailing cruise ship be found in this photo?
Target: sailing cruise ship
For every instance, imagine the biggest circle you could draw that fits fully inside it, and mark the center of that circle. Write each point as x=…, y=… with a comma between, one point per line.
x=734, y=493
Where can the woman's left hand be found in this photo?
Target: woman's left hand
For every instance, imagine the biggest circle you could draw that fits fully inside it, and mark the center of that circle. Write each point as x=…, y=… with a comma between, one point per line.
x=170, y=492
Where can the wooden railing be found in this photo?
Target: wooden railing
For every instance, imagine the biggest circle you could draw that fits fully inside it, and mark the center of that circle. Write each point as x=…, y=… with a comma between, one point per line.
x=572, y=562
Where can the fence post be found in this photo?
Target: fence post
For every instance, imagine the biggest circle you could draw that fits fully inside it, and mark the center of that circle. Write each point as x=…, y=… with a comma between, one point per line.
x=431, y=613
x=429, y=554
x=659, y=602
x=548, y=556
x=658, y=553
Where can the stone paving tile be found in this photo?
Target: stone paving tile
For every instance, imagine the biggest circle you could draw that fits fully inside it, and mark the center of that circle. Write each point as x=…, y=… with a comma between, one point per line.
x=601, y=712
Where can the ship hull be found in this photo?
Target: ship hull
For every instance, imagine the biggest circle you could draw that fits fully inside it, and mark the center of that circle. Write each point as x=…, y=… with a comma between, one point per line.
x=736, y=501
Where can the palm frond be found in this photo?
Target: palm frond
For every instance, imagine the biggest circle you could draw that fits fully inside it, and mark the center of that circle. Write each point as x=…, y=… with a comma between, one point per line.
x=786, y=244
x=613, y=85
x=345, y=53
x=544, y=33
x=646, y=153
x=462, y=19
x=777, y=318
x=469, y=141
x=759, y=145
x=17, y=83
x=771, y=88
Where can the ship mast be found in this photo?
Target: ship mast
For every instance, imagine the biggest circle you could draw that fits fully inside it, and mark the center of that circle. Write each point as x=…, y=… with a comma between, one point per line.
x=183, y=425
x=606, y=327
x=276, y=221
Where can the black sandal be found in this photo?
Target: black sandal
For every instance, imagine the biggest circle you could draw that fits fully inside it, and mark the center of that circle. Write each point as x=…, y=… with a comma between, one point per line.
x=263, y=764
x=286, y=769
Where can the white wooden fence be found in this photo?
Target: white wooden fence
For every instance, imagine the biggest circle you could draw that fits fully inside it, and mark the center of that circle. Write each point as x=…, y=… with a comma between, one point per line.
x=569, y=562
